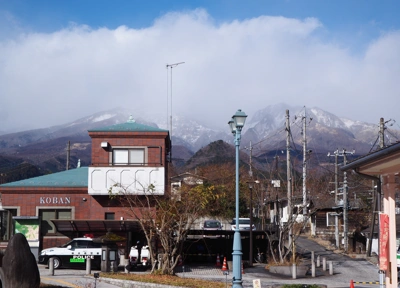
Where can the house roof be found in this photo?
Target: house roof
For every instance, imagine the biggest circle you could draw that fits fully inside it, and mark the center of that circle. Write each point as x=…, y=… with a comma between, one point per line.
x=330, y=204
x=129, y=126
x=385, y=160
x=70, y=178
x=186, y=175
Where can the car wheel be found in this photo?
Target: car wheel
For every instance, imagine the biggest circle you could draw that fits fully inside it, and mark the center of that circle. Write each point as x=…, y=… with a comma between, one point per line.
x=57, y=262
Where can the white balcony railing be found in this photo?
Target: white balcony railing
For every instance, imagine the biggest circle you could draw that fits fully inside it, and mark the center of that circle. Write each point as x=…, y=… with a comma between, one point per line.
x=134, y=180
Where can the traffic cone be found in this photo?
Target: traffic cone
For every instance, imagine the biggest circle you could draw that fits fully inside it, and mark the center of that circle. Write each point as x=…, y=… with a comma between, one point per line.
x=351, y=283
x=224, y=266
x=218, y=264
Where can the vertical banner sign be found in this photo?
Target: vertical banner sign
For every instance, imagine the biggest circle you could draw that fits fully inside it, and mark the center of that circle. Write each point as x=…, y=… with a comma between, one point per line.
x=383, y=241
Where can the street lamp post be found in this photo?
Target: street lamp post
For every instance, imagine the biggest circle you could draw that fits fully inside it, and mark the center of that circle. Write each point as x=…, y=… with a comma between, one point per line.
x=236, y=124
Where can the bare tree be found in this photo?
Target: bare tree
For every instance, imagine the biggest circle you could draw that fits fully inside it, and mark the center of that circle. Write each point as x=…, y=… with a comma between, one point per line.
x=165, y=220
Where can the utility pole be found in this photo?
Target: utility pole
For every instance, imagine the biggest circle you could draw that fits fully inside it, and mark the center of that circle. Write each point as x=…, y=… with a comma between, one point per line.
x=289, y=179
x=336, y=198
x=345, y=204
x=68, y=153
x=304, y=166
x=251, y=182
x=381, y=133
x=305, y=151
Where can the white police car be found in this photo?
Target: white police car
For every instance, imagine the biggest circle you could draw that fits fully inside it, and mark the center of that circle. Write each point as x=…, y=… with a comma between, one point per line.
x=73, y=254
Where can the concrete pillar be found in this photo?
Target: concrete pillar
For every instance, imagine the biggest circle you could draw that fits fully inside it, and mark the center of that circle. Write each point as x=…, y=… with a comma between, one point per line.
x=318, y=261
x=88, y=266
x=330, y=268
x=51, y=266
x=312, y=256
x=294, y=271
x=323, y=263
x=313, y=269
x=126, y=263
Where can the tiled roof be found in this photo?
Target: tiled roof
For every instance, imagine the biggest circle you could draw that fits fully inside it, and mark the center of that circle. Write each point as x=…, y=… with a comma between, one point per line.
x=129, y=126
x=70, y=178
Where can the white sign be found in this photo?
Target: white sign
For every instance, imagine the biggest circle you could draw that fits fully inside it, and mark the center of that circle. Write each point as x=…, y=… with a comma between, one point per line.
x=276, y=183
x=256, y=283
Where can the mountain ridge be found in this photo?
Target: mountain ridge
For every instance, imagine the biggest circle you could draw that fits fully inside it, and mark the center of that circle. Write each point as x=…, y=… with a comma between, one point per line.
x=265, y=131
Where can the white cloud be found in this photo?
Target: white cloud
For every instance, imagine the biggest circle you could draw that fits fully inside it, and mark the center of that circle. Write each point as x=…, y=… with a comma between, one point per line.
x=53, y=78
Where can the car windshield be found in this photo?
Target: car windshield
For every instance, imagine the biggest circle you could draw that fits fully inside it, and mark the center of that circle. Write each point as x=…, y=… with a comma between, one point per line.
x=212, y=224
x=66, y=244
x=242, y=221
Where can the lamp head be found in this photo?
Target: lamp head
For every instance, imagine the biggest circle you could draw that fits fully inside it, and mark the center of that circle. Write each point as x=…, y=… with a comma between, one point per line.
x=239, y=118
x=231, y=124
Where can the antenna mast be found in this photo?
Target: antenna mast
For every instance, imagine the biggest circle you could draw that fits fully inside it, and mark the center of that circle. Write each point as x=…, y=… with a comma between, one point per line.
x=171, y=66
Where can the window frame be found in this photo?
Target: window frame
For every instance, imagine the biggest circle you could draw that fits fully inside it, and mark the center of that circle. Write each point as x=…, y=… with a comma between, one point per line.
x=8, y=222
x=144, y=150
x=41, y=208
x=329, y=218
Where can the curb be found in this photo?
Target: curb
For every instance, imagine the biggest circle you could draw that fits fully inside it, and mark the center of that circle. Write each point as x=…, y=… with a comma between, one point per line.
x=135, y=284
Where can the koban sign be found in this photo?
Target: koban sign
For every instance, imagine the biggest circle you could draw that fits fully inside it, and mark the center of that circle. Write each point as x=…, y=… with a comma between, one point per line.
x=55, y=200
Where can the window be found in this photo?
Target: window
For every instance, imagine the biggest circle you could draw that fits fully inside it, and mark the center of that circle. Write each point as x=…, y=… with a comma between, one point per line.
x=109, y=216
x=134, y=156
x=48, y=214
x=330, y=218
x=5, y=223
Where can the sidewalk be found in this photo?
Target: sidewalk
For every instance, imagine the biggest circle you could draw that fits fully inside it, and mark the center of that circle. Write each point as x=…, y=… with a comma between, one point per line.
x=72, y=278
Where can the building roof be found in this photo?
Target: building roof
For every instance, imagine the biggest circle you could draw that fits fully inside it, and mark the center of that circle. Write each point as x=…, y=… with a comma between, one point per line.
x=385, y=160
x=129, y=126
x=66, y=179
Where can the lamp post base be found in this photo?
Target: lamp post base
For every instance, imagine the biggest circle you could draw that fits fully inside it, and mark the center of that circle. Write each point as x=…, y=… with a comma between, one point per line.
x=237, y=260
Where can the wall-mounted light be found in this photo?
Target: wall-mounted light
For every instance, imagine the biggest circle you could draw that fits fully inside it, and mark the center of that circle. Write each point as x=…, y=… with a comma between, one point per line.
x=84, y=199
x=104, y=144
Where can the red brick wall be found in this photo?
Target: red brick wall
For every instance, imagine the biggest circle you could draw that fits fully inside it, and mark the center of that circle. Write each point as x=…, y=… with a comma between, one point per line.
x=94, y=207
x=100, y=156
x=49, y=242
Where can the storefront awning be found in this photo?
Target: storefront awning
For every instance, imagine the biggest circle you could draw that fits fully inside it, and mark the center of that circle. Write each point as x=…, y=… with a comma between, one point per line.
x=96, y=226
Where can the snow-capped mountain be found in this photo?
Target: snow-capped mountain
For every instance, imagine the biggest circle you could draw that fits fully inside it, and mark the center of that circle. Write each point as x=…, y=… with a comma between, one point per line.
x=324, y=131
x=266, y=130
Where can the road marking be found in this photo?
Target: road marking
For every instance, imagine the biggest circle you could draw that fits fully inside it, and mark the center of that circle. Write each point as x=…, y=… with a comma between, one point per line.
x=61, y=282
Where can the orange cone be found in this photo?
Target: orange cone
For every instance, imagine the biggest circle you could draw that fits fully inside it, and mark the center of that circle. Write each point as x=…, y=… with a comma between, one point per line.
x=351, y=283
x=224, y=266
x=218, y=264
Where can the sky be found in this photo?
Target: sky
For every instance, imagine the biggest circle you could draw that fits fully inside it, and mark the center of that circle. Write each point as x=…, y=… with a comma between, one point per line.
x=64, y=60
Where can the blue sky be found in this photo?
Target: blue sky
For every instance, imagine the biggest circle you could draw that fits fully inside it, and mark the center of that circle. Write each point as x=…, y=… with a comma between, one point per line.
x=367, y=17
x=342, y=56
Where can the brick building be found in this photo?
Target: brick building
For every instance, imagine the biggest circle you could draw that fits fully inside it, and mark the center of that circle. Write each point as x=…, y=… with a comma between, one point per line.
x=53, y=208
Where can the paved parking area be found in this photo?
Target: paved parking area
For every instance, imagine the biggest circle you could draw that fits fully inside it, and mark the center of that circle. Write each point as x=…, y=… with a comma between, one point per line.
x=345, y=270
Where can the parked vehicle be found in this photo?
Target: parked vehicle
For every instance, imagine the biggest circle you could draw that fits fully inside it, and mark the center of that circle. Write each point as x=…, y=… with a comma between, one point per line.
x=142, y=261
x=211, y=225
x=244, y=224
x=398, y=261
x=73, y=254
